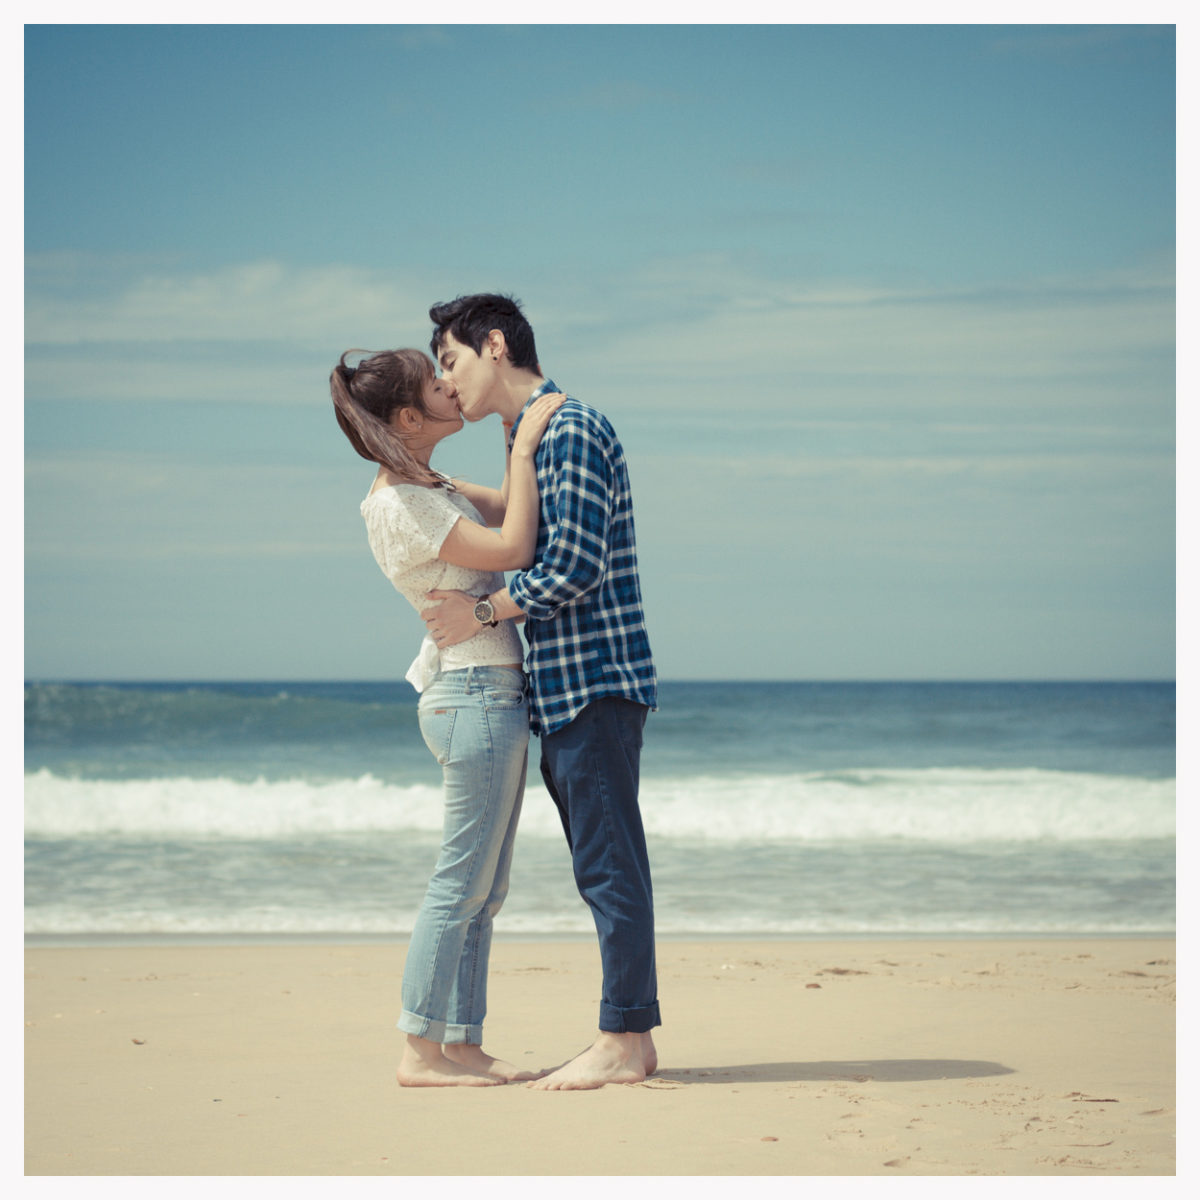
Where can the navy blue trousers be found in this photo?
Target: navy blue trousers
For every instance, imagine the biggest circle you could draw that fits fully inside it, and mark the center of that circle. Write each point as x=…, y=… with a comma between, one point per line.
x=591, y=769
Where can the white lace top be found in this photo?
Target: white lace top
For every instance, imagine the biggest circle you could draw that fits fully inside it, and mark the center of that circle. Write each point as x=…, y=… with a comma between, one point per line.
x=406, y=526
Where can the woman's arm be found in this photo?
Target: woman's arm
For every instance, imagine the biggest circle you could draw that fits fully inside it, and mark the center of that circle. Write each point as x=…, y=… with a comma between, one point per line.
x=512, y=545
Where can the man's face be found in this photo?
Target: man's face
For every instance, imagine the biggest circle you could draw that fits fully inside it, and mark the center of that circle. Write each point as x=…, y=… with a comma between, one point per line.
x=473, y=377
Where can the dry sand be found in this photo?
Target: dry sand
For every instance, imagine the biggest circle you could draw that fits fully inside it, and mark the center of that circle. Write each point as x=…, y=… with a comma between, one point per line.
x=778, y=1059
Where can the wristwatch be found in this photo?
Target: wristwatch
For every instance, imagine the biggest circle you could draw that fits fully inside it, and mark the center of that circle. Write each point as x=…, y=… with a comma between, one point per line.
x=485, y=614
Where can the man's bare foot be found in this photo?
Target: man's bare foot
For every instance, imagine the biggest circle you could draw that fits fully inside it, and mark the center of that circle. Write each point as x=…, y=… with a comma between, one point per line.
x=649, y=1054
x=424, y=1065
x=611, y=1058
x=475, y=1059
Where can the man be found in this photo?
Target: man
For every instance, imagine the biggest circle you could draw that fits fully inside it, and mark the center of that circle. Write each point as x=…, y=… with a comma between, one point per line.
x=592, y=679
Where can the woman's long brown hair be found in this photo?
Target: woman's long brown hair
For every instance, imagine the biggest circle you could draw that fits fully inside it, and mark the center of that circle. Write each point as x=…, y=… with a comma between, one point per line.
x=365, y=397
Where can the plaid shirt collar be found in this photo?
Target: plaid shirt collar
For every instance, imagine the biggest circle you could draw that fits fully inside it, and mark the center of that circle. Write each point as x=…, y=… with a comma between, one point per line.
x=542, y=389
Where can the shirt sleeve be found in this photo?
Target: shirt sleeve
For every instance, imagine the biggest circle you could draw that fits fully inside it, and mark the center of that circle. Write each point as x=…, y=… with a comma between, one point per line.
x=576, y=483
x=409, y=529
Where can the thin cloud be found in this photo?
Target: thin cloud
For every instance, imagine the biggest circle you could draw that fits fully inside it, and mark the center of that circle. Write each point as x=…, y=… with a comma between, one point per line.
x=253, y=301
x=1015, y=468
x=703, y=321
x=1031, y=336
x=68, y=550
x=610, y=96
x=1097, y=43
x=143, y=506
x=419, y=38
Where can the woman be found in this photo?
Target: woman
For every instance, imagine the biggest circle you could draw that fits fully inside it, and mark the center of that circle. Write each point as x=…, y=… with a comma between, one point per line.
x=427, y=532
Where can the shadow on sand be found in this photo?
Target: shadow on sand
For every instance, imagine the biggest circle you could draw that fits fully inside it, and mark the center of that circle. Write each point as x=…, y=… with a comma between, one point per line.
x=878, y=1070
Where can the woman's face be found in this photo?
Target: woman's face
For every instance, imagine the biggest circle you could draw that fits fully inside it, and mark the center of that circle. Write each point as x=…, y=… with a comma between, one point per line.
x=441, y=407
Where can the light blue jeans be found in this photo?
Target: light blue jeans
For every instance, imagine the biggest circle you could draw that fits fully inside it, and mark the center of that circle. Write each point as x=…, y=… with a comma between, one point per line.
x=476, y=723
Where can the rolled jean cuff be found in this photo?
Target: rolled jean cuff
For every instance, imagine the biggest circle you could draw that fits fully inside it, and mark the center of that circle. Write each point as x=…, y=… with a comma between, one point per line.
x=629, y=1020
x=440, y=1031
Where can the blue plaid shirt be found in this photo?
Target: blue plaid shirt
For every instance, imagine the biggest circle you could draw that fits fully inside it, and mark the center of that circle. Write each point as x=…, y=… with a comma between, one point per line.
x=582, y=599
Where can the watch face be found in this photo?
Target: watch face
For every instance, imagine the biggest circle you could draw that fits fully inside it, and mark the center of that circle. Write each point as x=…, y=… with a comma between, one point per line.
x=484, y=612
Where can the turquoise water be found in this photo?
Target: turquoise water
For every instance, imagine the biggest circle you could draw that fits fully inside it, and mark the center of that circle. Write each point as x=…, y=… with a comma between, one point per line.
x=802, y=809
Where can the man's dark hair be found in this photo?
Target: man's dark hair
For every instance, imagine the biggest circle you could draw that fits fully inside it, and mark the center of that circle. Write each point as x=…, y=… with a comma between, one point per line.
x=471, y=318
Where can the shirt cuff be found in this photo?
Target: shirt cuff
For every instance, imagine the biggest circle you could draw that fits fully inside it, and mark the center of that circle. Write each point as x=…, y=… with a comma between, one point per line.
x=524, y=599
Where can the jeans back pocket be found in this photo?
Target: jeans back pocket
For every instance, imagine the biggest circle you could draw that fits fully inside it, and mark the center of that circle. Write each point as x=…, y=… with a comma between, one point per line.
x=501, y=697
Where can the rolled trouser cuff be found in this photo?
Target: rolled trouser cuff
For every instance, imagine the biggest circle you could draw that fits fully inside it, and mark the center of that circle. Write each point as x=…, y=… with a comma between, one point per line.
x=629, y=1020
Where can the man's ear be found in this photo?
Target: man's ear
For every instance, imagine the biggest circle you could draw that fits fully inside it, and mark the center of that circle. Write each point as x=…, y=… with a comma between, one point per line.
x=496, y=347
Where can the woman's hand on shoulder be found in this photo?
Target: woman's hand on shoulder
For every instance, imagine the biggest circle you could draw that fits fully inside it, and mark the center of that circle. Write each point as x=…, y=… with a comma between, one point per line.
x=533, y=423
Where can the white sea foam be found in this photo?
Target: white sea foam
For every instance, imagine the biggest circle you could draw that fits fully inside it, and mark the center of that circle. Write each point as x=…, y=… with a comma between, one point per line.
x=183, y=807
x=947, y=805
x=47, y=923
x=933, y=805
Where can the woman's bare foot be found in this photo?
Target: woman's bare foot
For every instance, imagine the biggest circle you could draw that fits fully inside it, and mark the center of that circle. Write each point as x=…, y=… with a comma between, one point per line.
x=611, y=1058
x=424, y=1065
x=475, y=1059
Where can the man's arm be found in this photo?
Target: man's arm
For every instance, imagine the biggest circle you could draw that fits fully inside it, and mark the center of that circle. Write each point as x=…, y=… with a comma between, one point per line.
x=453, y=620
x=583, y=451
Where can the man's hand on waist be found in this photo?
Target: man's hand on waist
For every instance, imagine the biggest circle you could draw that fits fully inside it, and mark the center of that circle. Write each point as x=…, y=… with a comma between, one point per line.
x=453, y=620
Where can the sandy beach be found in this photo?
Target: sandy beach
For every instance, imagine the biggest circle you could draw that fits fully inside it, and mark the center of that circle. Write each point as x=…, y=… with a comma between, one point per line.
x=777, y=1058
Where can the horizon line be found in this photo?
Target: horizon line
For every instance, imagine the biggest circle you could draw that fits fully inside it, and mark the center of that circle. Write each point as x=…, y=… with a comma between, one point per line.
x=957, y=679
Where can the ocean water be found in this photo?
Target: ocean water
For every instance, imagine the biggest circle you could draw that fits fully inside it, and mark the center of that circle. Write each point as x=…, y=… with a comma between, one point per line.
x=279, y=810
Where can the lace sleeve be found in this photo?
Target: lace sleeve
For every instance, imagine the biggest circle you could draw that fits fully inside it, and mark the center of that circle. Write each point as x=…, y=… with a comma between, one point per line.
x=406, y=526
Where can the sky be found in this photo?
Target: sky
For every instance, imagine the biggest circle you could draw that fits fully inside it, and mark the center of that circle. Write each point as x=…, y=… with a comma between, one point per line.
x=884, y=317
